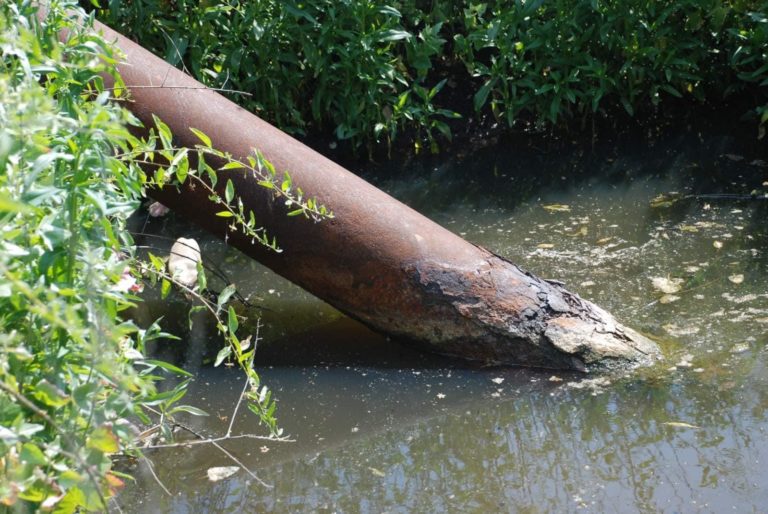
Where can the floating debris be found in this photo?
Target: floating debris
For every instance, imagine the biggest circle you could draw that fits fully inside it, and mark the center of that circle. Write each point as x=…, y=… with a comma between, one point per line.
x=740, y=348
x=595, y=385
x=665, y=200
x=183, y=261
x=157, y=210
x=736, y=279
x=556, y=207
x=676, y=331
x=680, y=424
x=220, y=473
x=667, y=285
x=377, y=472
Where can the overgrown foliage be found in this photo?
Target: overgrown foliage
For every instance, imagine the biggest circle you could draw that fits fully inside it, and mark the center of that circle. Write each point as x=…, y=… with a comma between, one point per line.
x=75, y=379
x=371, y=69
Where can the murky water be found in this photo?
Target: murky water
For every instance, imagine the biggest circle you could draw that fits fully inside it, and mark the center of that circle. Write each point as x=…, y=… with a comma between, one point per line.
x=380, y=428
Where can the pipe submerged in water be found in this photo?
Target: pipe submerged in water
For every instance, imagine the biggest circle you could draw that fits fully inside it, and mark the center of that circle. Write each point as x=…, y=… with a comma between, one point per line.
x=377, y=260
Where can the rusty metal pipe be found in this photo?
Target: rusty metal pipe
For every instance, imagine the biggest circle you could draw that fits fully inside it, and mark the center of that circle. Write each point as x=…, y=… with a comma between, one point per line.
x=378, y=261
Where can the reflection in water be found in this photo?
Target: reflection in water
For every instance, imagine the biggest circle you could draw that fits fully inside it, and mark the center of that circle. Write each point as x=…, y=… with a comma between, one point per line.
x=381, y=428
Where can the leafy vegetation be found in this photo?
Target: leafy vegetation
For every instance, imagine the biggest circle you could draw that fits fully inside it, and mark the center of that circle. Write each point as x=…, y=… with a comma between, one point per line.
x=75, y=378
x=371, y=70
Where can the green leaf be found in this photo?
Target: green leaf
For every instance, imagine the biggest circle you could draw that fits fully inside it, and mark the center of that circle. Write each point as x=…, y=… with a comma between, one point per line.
x=202, y=137
x=390, y=11
x=437, y=88
x=401, y=100
x=165, y=288
x=72, y=501
x=232, y=322
x=225, y=295
x=182, y=170
x=223, y=354
x=70, y=478
x=49, y=395
x=394, y=35
x=103, y=440
x=229, y=191
x=232, y=165
x=32, y=454
x=224, y=214
x=202, y=278
x=188, y=408
x=168, y=367
x=286, y=185
x=482, y=95
x=8, y=205
x=33, y=494
x=166, y=137
x=157, y=262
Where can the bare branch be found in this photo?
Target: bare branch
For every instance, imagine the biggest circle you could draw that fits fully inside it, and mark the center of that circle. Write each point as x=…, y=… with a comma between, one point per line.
x=154, y=475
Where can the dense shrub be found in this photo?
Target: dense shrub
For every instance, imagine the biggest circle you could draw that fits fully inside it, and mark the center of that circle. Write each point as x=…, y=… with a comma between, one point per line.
x=369, y=69
x=322, y=62
x=565, y=58
x=75, y=380
x=68, y=383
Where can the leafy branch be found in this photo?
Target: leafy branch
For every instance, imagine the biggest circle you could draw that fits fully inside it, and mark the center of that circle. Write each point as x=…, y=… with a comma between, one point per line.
x=177, y=170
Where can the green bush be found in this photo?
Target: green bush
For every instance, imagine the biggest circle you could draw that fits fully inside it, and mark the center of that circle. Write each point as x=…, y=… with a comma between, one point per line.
x=75, y=380
x=68, y=380
x=567, y=58
x=372, y=69
x=316, y=64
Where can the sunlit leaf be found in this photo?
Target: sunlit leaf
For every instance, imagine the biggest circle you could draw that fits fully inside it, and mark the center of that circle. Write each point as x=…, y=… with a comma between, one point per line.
x=50, y=395
x=32, y=454
x=223, y=354
x=188, y=409
x=229, y=191
x=202, y=137
x=103, y=440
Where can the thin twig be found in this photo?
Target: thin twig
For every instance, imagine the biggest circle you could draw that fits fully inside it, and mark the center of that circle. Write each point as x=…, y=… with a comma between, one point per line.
x=178, y=52
x=243, y=466
x=237, y=405
x=211, y=440
x=234, y=459
x=154, y=475
x=113, y=500
x=245, y=386
x=215, y=442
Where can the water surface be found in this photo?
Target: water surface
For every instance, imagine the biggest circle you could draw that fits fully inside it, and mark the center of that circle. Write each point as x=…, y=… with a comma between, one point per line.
x=381, y=428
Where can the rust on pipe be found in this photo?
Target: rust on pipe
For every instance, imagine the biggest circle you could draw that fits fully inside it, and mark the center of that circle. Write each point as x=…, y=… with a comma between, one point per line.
x=378, y=260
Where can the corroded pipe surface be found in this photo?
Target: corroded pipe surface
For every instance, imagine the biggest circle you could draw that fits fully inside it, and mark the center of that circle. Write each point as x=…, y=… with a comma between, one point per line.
x=378, y=261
